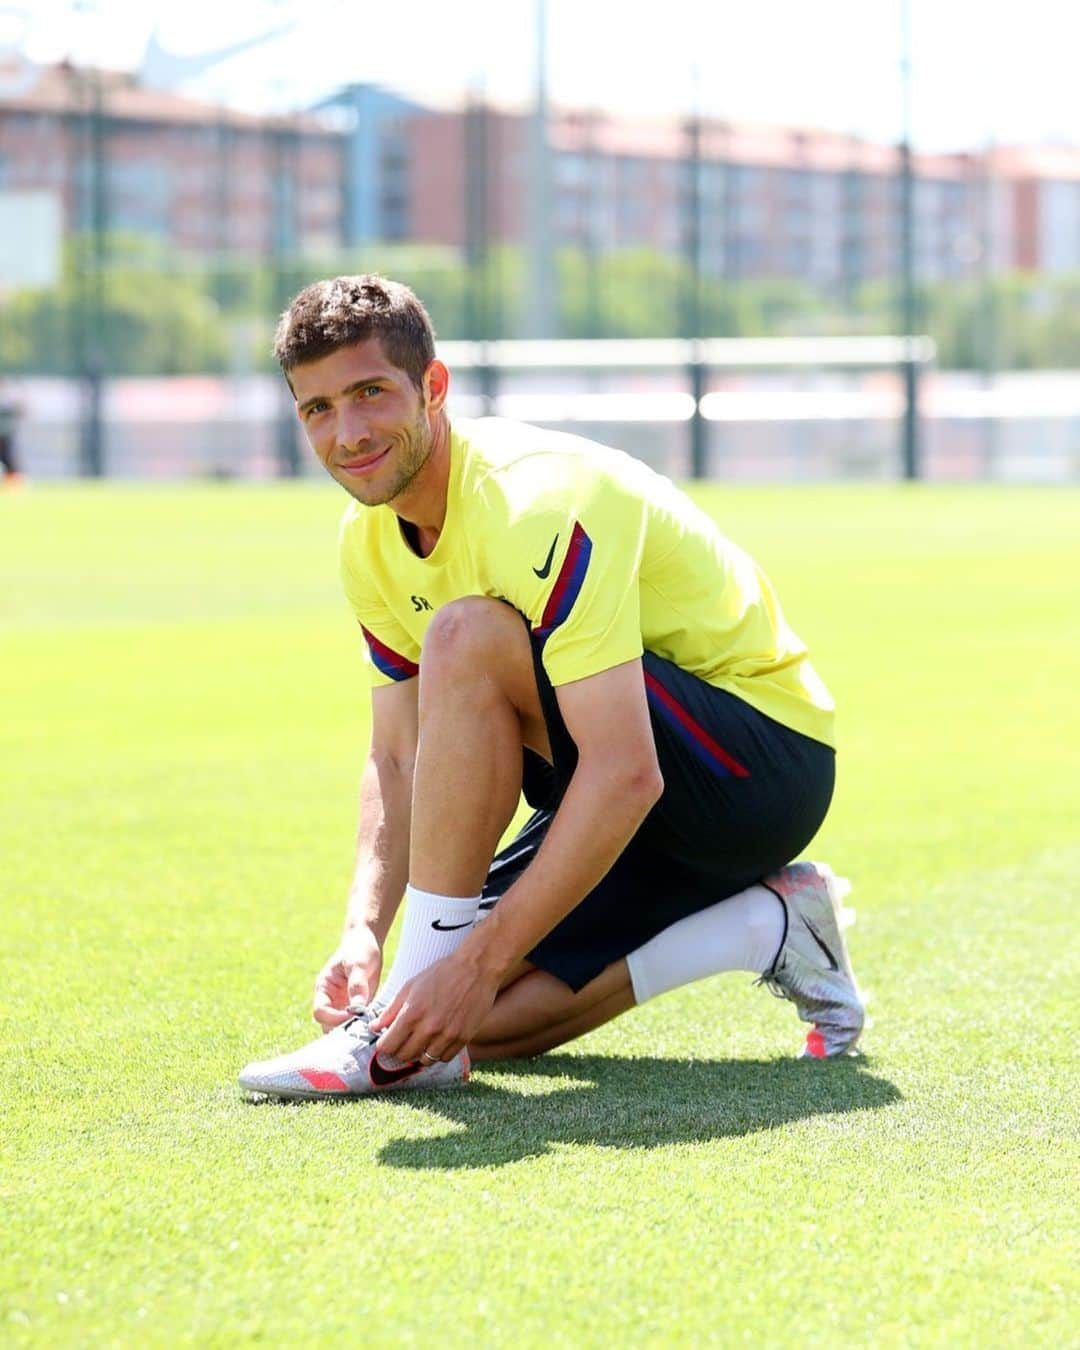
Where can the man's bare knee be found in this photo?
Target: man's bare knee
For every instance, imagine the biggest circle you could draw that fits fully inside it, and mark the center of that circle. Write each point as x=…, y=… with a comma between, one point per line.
x=478, y=638
x=466, y=632
x=484, y=644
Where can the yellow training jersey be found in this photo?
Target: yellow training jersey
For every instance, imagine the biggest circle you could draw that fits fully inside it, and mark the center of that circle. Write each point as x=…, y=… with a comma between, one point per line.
x=605, y=559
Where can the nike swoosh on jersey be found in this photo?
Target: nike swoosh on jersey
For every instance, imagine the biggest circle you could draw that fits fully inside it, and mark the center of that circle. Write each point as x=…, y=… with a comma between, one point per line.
x=567, y=585
x=543, y=572
x=383, y=1076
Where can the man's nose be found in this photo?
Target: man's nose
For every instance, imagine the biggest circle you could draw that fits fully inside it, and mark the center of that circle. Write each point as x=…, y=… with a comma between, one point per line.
x=353, y=432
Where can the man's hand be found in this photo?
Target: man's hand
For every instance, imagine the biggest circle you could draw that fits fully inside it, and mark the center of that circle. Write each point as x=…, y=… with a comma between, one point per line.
x=351, y=976
x=438, y=1012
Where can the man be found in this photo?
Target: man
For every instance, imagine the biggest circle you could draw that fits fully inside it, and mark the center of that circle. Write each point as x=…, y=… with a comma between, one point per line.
x=9, y=464
x=541, y=610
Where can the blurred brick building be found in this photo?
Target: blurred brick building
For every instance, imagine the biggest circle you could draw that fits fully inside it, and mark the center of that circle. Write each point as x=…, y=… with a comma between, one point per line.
x=774, y=201
x=205, y=179
x=368, y=166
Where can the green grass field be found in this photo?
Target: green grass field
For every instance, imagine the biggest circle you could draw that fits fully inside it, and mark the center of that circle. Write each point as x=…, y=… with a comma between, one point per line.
x=183, y=720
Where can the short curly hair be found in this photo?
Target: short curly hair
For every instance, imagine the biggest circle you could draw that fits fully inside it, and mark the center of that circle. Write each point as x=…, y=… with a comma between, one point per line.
x=342, y=311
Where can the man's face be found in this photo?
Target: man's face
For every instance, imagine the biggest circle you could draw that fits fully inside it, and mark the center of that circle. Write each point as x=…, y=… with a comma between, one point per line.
x=367, y=422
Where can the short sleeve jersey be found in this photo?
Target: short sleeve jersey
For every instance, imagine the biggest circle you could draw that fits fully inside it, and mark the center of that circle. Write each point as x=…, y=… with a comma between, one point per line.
x=603, y=557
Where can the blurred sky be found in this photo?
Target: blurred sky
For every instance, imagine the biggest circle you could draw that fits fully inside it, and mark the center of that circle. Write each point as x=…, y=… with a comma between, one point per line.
x=1000, y=71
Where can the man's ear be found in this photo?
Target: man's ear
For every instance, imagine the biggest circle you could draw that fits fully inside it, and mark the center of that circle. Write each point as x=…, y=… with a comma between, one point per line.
x=436, y=385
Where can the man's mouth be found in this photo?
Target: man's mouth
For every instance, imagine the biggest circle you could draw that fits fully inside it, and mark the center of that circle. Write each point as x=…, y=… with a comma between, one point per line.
x=359, y=468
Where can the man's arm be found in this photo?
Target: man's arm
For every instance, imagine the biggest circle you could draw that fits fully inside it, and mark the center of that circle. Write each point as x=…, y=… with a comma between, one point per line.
x=382, y=856
x=616, y=782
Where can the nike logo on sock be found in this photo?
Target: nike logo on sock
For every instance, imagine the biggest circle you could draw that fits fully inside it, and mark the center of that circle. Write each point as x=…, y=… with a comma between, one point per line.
x=441, y=927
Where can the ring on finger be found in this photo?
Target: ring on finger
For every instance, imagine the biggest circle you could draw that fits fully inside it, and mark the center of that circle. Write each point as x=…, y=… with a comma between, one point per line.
x=429, y=1059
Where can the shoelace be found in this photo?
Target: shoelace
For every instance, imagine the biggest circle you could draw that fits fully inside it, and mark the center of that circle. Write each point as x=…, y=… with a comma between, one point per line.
x=773, y=985
x=357, y=1025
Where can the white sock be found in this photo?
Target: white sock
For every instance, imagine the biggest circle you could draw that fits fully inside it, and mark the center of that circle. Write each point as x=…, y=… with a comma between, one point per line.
x=433, y=926
x=743, y=932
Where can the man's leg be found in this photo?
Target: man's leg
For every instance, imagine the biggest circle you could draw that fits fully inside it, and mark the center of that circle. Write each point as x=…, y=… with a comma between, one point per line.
x=788, y=931
x=539, y=1011
x=478, y=705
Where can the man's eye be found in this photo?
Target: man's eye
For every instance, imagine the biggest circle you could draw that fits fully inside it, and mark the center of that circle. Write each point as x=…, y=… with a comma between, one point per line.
x=370, y=389
x=316, y=408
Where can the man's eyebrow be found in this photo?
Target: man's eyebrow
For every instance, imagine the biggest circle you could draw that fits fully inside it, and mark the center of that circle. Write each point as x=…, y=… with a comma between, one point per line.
x=349, y=389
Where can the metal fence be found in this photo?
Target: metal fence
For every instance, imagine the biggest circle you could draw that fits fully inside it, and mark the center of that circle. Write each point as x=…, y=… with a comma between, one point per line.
x=816, y=424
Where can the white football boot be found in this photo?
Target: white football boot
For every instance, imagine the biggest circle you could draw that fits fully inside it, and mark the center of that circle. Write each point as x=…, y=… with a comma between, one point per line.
x=346, y=1063
x=812, y=968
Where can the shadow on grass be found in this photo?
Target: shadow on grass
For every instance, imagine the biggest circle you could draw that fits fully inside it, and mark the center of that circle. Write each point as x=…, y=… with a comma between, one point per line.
x=618, y=1102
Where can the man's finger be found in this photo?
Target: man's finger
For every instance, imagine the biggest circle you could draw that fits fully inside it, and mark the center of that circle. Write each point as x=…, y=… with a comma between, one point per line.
x=328, y=998
x=328, y=1017
x=392, y=1044
x=418, y=1047
x=329, y=1004
x=395, y=1027
x=390, y=1011
x=358, y=989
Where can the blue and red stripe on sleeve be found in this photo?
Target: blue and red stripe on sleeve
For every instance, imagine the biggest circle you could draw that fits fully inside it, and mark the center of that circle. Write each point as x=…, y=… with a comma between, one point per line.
x=390, y=662
x=568, y=583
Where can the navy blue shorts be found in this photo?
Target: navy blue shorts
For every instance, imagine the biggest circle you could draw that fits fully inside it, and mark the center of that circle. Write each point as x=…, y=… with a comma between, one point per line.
x=742, y=796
